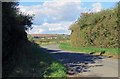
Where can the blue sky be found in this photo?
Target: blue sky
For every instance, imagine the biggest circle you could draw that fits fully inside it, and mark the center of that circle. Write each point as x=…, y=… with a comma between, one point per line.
x=55, y=17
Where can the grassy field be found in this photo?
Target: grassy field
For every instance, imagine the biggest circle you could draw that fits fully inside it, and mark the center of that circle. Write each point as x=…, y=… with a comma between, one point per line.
x=37, y=62
x=108, y=51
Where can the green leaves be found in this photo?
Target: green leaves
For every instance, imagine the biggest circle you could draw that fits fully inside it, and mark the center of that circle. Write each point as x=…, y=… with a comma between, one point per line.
x=97, y=29
x=14, y=25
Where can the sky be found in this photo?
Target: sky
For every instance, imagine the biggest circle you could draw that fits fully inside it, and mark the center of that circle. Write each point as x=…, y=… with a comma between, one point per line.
x=56, y=16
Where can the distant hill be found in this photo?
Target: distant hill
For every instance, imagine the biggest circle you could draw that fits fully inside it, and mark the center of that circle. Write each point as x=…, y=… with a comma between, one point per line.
x=43, y=35
x=96, y=29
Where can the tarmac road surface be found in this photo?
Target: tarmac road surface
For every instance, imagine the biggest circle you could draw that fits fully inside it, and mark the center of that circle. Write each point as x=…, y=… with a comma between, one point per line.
x=84, y=65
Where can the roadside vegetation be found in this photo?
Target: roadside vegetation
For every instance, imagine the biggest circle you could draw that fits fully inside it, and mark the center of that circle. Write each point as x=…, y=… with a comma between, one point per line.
x=88, y=50
x=99, y=30
x=37, y=62
x=21, y=57
x=96, y=33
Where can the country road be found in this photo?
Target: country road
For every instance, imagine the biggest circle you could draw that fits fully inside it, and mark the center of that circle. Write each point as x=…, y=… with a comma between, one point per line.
x=85, y=65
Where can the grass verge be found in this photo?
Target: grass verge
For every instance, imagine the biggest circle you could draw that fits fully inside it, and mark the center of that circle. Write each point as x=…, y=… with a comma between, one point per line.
x=108, y=51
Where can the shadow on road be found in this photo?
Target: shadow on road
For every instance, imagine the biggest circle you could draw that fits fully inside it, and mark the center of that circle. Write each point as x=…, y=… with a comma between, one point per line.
x=75, y=62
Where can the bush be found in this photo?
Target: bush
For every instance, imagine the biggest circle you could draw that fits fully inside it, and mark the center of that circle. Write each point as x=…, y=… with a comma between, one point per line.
x=96, y=29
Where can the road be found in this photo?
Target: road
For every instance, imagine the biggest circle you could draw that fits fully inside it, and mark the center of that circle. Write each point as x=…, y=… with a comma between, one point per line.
x=85, y=65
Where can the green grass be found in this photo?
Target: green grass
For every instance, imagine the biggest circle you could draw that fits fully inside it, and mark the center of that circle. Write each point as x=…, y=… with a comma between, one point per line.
x=67, y=46
x=55, y=70
x=37, y=62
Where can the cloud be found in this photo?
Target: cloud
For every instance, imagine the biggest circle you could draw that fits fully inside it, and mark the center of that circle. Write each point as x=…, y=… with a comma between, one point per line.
x=54, y=11
x=53, y=16
x=35, y=30
x=56, y=29
x=96, y=7
x=68, y=0
x=51, y=28
x=56, y=16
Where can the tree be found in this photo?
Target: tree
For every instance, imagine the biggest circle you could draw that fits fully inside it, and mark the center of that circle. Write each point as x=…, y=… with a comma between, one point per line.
x=97, y=29
x=14, y=25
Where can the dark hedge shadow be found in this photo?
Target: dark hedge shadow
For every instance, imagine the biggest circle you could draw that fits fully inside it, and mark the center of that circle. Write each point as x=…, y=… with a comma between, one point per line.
x=75, y=62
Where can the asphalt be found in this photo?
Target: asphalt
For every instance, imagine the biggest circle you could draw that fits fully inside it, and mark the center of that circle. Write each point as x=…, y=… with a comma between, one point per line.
x=84, y=65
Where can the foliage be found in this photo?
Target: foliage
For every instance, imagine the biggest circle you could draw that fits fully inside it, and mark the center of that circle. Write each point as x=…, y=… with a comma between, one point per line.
x=118, y=22
x=22, y=58
x=37, y=62
x=30, y=38
x=96, y=29
x=55, y=70
x=14, y=25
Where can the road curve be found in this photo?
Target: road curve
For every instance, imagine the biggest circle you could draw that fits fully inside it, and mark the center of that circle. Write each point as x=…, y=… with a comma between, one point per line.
x=85, y=65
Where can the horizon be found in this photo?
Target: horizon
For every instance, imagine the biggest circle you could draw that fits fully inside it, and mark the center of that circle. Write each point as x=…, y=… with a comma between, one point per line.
x=47, y=34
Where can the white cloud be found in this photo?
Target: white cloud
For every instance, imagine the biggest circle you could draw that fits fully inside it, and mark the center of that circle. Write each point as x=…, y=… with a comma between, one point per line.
x=97, y=7
x=51, y=28
x=59, y=26
x=56, y=29
x=68, y=0
x=54, y=11
x=56, y=16
x=53, y=16
x=30, y=9
x=35, y=30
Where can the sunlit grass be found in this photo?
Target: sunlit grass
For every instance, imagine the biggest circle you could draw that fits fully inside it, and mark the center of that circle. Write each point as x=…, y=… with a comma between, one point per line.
x=55, y=70
x=68, y=46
